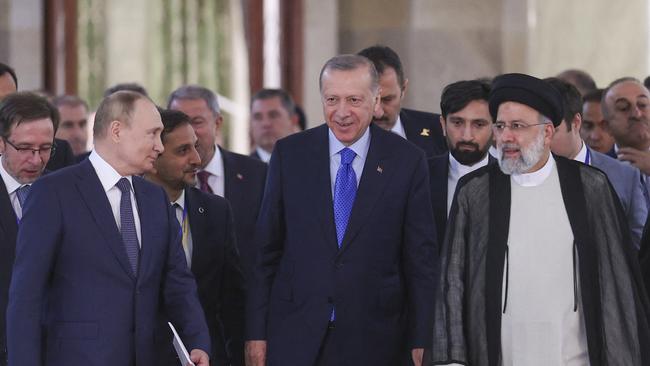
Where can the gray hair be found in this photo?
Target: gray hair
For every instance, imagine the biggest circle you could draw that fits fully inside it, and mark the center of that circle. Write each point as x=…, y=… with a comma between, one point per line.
x=196, y=92
x=349, y=63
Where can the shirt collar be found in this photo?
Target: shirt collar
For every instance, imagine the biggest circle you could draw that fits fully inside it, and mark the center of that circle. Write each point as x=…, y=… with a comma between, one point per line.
x=181, y=200
x=456, y=169
x=108, y=176
x=360, y=147
x=10, y=182
x=215, y=166
x=264, y=155
x=582, y=154
x=398, y=128
x=537, y=177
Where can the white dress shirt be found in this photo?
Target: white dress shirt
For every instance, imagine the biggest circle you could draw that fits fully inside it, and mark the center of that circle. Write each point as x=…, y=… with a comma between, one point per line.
x=457, y=171
x=12, y=186
x=264, y=155
x=109, y=177
x=398, y=128
x=582, y=155
x=216, y=178
x=179, y=216
x=360, y=147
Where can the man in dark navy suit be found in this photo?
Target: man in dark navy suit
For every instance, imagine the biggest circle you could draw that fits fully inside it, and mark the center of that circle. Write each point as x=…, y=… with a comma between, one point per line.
x=347, y=257
x=27, y=125
x=98, y=251
x=208, y=241
x=421, y=128
x=273, y=116
x=238, y=178
x=467, y=125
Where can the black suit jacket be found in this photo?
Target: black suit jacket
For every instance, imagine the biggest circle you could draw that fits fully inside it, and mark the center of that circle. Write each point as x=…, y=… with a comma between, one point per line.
x=220, y=282
x=244, y=188
x=63, y=156
x=255, y=155
x=438, y=175
x=8, y=233
x=424, y=130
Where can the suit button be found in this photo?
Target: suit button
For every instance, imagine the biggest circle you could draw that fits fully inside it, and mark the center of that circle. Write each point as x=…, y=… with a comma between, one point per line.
x=338, y=264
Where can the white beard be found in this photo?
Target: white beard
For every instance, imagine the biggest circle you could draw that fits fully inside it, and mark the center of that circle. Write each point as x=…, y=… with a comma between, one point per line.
x=527, y=159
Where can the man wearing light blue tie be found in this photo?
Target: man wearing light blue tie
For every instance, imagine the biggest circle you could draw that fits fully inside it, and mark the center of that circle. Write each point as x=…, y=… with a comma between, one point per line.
x=345, y=241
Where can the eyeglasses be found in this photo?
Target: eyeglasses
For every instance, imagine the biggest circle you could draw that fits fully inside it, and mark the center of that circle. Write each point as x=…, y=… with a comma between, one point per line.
x=515, y=127
x=28, y=152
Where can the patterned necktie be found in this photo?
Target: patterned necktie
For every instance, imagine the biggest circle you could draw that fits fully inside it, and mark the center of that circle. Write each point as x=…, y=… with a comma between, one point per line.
x=22, y=194
x=127, y=224
x=203, y=181
x=345, y=190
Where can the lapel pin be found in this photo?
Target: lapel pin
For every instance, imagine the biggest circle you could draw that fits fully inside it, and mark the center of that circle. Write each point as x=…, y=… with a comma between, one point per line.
x=201, y=210
x=425, y=132
x=380, y=169
x=239, y=176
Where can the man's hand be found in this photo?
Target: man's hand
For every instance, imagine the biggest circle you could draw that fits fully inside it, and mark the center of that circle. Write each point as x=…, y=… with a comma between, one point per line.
x=255, y=353
x=199, y=357
x=417, y=354
x=640, y=159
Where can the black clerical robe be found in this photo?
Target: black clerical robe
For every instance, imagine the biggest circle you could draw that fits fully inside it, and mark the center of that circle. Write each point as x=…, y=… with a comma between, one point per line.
x=469, y=304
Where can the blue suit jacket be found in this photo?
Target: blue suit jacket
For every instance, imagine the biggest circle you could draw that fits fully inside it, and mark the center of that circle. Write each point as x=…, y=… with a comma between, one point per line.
x=626, y=181
x=381, y=281
x=73, y=297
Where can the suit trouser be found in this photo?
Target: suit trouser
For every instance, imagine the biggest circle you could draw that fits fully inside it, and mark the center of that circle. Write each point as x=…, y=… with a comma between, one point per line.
x=328, y=354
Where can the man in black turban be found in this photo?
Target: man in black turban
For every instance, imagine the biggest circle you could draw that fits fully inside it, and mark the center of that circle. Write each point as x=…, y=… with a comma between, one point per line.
x=537, y=266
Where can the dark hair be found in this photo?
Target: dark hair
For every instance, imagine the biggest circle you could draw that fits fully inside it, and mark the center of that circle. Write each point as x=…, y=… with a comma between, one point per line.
x=646, y=82
x=302, y=118
x=285, y=98
x=624, y=79
x=349, y=63
x=134, y=87
x=171, y=120
x=17, y=108
x=118, y=106
x=193, y=92
x=578, y=78
x=594, y=96
x=571, y=99
x=69, y=100
x=383, y=57
x=458, y=95
x=4, y=69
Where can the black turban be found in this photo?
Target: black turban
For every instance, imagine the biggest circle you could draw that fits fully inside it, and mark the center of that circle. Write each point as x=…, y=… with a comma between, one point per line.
x=528, y=90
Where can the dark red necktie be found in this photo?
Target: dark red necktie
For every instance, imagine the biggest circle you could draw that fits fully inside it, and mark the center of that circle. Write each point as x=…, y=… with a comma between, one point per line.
x=203, y=181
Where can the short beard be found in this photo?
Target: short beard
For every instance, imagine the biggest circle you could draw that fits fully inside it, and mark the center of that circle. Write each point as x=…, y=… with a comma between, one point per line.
x=528, y=158
x=468, y=157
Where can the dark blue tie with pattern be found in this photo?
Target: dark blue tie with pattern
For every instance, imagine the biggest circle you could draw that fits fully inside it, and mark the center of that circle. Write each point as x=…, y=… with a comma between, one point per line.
x=22, y=194
x=127, y=224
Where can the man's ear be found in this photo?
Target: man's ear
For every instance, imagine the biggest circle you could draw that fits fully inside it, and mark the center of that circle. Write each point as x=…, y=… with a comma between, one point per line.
x=577, y=122
x=115, y=130
x=443, y=124
x=378, y=112
x=404, y=87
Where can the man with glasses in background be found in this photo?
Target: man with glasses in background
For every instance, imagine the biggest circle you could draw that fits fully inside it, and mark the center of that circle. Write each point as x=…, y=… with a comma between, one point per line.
x=27, y=125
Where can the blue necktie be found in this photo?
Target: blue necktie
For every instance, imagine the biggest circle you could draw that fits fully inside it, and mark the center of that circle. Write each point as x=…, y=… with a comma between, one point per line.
x=345, y=190
x=127, y=224
x=22, y=194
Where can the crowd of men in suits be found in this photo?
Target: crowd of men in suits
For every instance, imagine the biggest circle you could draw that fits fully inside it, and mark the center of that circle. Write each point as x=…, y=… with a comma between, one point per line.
x=509, y=229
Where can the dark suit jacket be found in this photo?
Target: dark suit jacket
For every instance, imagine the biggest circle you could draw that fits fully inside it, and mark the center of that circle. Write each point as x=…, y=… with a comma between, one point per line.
x=217, y=270
x=438, y=176
x=243, y=188
x=8, y=233
x=63, y=156
x=381, y=281
x=424, y=130
x=255, y=155
x=73, y=282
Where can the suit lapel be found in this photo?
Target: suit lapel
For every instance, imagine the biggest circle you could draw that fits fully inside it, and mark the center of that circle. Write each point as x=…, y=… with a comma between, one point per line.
x=95, y=199
x=231, y=180
x=376, y=173
x=317, y=175
x=8, y=218
x=146, y=212
x=196, y=215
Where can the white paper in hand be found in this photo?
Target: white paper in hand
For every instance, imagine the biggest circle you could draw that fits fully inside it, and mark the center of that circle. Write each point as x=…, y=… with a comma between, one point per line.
x=181, y=351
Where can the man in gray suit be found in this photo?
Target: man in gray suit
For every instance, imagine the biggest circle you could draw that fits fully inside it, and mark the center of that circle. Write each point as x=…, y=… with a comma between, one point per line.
x=625, y=179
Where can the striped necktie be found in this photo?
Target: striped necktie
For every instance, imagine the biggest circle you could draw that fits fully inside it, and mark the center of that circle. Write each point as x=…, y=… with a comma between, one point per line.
x=127, y=225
